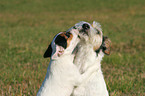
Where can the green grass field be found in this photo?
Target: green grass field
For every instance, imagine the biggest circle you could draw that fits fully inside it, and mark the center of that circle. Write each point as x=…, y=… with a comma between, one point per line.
x=28, y=26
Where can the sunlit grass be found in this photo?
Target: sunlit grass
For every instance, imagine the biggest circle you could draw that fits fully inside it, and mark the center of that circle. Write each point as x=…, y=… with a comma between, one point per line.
x=27, y=27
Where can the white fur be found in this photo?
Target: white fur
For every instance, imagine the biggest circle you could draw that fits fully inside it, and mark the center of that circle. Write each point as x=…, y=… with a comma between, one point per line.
x=62, y=75
x=86, y=57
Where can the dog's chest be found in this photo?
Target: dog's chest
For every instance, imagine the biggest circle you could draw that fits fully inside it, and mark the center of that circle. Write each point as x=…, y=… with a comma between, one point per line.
x=63, y=71
x=85, y=57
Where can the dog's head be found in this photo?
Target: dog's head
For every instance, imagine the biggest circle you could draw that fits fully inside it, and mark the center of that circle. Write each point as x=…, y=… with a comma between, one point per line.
x=106, y=42
x=90, y=34
x=63, y=43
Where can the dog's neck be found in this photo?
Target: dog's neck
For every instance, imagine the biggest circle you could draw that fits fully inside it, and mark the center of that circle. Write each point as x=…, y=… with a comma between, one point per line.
x=63, y=60
x=86, y=57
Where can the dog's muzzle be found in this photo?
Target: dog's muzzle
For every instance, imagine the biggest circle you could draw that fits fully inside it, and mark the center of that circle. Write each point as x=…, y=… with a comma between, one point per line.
x=85, y=28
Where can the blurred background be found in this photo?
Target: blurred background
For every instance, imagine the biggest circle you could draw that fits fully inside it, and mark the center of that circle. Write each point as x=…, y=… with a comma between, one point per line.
x=28, y=26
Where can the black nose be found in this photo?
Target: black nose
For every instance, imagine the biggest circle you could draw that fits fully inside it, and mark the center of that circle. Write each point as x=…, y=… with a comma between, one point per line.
x=86, y=26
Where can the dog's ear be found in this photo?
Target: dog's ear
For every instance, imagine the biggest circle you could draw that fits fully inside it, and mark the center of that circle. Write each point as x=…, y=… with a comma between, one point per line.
x=106, y=45
x=59, y=45
x=54, y=52
x=48, y=52
x=59, y=50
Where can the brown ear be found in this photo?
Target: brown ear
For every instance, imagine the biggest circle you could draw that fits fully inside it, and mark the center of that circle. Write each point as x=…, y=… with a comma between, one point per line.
x=48, y=52
x=106, y=45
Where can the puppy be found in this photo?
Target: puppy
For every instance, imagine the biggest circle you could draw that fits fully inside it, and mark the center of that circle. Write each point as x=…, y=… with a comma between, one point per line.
x=62, y=75
x=90, y=52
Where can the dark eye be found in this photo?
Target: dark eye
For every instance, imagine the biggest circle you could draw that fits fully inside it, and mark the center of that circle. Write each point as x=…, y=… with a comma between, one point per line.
x=68, y=34
x=74, y=27
x=98, y=32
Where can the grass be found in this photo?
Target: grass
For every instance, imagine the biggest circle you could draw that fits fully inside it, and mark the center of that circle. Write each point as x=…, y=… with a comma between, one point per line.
x=28, y=26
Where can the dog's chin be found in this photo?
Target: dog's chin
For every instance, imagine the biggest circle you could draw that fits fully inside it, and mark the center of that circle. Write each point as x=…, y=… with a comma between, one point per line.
x=83, y=37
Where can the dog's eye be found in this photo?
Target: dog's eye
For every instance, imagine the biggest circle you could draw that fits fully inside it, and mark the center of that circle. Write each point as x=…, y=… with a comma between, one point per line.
x=98, y=32
x=68, y=34
x=74, y=27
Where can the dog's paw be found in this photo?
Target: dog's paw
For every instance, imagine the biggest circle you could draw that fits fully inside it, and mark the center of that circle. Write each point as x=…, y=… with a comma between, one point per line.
x=106, y=45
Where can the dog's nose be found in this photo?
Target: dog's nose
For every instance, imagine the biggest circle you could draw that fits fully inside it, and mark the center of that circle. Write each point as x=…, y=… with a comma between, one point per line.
x=86, y=26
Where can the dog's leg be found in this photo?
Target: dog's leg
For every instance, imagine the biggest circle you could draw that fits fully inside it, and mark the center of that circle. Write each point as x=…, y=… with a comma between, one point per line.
x=80, y=89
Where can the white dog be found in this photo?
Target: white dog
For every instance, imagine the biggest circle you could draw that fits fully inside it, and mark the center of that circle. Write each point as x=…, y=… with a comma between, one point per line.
x=91, y=50
x=62, y=75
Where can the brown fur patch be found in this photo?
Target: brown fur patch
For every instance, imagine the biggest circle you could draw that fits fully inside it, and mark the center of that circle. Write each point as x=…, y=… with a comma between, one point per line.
x=69, y=40
x=96, y=47
x=107, y=43
x=63, y=35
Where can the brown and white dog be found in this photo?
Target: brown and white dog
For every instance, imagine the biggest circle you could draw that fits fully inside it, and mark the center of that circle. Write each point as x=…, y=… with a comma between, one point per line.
x=62, y=74
x=91, y=49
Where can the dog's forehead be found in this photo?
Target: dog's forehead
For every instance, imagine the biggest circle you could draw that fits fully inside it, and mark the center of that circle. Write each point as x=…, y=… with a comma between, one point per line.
x=66, y=35
x=97, y=26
